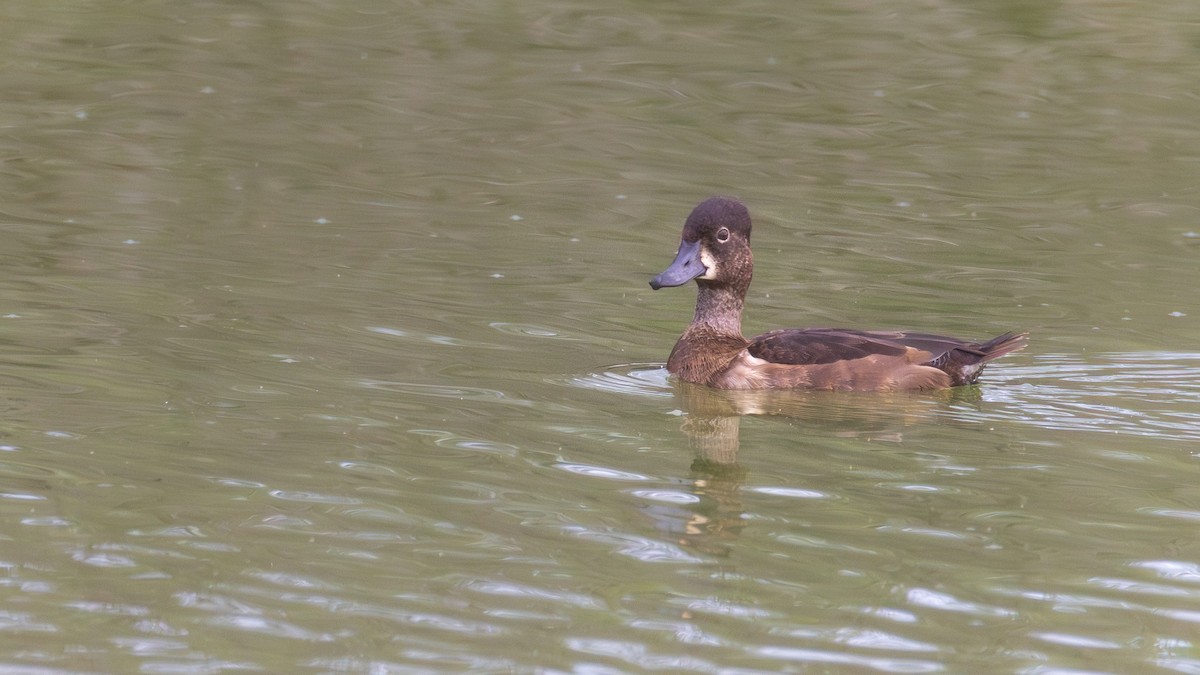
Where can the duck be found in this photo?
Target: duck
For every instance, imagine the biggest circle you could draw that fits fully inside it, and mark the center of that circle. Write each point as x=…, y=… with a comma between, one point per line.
x=714, y=251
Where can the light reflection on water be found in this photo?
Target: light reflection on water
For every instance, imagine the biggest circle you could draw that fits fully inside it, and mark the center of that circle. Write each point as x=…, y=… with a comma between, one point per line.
x=1153, y=394
x=640, y=379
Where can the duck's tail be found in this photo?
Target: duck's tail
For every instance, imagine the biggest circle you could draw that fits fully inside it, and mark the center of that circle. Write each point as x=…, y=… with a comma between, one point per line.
x=982, y=353
x=1001, y=345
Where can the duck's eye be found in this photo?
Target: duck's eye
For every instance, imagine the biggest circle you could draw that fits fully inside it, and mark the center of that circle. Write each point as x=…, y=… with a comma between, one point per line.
x=723, y=235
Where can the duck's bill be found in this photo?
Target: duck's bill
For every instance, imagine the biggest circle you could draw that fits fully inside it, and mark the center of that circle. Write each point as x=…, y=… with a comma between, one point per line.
x=687, y=266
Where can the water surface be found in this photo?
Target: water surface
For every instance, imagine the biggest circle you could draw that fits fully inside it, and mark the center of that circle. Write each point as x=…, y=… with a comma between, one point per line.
x=327, y=344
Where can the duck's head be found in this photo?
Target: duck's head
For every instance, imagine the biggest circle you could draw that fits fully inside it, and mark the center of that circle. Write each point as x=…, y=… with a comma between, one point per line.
x=715, y=248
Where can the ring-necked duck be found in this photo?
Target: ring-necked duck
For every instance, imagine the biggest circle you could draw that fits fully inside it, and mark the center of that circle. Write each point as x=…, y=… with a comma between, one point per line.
x=715, y=251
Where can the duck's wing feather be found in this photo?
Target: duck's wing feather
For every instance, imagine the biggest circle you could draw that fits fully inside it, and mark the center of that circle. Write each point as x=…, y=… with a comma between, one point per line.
x=813, y=346
x=833, y=358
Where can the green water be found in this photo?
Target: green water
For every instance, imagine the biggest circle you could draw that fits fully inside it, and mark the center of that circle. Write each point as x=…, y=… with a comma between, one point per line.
x=327, y=344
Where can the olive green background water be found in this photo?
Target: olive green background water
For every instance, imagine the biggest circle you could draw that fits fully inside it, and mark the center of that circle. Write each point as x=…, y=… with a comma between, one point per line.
x=326, y=344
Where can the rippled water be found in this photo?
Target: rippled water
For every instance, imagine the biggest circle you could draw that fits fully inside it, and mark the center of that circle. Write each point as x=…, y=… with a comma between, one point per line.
x=1143, y=394
x=327, y=344
x=1155, y=395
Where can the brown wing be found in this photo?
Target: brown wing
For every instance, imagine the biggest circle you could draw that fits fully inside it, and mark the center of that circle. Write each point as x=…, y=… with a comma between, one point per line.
x=813, y=346
x=962, y=360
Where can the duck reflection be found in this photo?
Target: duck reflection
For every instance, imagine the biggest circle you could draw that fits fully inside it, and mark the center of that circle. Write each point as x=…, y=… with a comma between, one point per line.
x=712, y=425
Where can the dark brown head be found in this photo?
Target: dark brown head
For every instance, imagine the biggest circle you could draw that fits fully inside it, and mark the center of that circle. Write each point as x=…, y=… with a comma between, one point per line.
x=715, y=248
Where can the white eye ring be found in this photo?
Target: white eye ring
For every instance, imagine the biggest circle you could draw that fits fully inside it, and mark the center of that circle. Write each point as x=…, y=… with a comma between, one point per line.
x=723, y=235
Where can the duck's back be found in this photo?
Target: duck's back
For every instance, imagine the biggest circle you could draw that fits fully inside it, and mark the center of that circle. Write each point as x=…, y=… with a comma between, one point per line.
x=834, y=358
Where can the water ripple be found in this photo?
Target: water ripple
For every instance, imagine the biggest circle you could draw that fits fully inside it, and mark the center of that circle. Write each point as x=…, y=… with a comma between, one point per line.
x=639, y=379
x=794, y=493
x=638, y=655
x=641, y=548
x=600, y=472
x=1153, y=394
x=890, y=665
x=458, y=393
x=924, y=597
x=667, y=496
x=532, y=593
x=1172, y=569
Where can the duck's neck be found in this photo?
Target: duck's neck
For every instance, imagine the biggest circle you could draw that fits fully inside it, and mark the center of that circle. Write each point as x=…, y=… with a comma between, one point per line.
x=719, y=309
